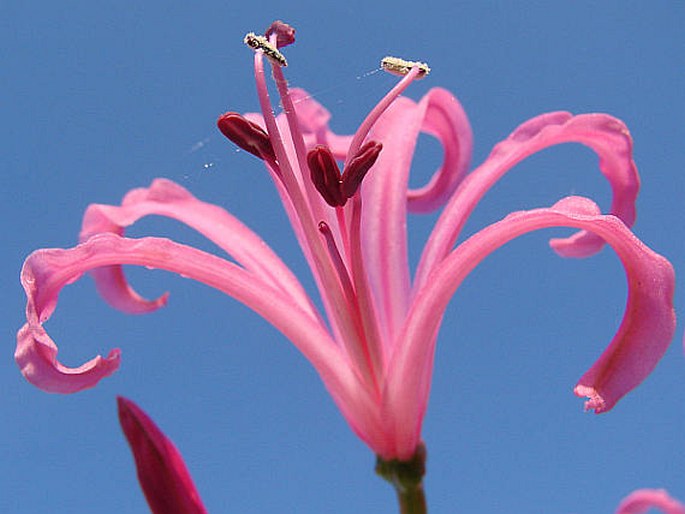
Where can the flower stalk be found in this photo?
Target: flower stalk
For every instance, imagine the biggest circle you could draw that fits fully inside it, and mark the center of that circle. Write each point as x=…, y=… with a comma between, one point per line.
x=406, y=477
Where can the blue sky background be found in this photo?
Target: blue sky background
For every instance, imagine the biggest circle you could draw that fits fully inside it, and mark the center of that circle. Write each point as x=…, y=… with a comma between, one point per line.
x=101, y=97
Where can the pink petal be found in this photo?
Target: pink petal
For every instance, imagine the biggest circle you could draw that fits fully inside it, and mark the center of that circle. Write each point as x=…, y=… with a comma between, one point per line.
x=46, y=272
x=313, y=116
x=384, y=213
x=385, y=191
x=162, y=474
x=642, y=338
x=446, y=120
x=640, y=501
x=606, y=135
x=36, y=352
x=166, y=198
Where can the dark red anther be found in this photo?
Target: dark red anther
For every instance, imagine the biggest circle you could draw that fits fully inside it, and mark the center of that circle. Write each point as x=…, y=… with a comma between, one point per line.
x=354, y=172
x=247, y=135
x=325, y=175
x=285, y=34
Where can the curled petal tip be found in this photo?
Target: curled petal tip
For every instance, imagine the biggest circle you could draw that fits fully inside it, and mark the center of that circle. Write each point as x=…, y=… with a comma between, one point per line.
x=36, y=356
x=112, y=285
x=594, y=402
x=642, y=500
x=577, y=205
x=577, y=245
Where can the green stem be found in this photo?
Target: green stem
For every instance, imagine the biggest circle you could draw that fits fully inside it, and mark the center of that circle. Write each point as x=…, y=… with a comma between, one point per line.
x=407, y=479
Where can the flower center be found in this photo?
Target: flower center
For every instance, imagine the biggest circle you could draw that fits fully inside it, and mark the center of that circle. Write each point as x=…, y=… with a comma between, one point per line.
x=331, y=241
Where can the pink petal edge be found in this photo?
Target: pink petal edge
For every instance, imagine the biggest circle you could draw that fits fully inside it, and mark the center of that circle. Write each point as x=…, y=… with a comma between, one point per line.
x=446, y=120
x=640, y=501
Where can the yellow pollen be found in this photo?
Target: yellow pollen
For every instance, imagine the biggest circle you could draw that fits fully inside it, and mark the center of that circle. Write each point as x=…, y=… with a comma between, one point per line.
x=398, y=66
x=261, y=43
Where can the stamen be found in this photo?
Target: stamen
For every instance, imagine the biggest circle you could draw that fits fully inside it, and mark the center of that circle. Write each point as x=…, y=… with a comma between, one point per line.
x=340, y=296
x=325, y=175
x=400, y=67
x=247, y=135
x=356, y=169
x=261, y=43
x=363, y=131
x=338, y=262
x=365, y=355
x=285, y=34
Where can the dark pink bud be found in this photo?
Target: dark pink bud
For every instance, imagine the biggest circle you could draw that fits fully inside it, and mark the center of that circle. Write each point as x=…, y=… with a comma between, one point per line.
x=162, y=474
x=285, y=34
x=247, y=135
x=325, y=175
x=354, y=172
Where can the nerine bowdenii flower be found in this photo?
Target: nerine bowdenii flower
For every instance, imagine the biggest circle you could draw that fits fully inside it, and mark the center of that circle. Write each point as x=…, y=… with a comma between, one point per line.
x=347, y=199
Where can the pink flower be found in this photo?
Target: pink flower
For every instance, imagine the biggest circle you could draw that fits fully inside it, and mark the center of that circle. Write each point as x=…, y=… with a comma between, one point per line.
x=374, y=345
x=162, y=474
x=642, y=500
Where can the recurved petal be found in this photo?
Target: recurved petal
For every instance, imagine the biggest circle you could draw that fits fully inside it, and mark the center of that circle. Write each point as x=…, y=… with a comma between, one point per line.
x=166, y=198
x=645, y=332
x=36, y=352
x=640, y=501
x=385, y=191
x=46, y=272
x=604, y=134
x=445, y=119
x=162, y=474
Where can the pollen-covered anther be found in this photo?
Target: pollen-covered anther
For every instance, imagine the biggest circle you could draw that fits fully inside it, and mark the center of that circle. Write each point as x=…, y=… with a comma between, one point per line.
x=247, y=135
x=325, y=175
x=262, y=43
x=285, y=34
x=357, y=168
x=398, y=66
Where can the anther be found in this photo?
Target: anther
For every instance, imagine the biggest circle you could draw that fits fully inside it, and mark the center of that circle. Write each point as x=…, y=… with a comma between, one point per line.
x=247, y=135
x=398, y=66
x=334, y=187
x=261, y=43
x=356, y=169
x=285, y=34
x=325, y=175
